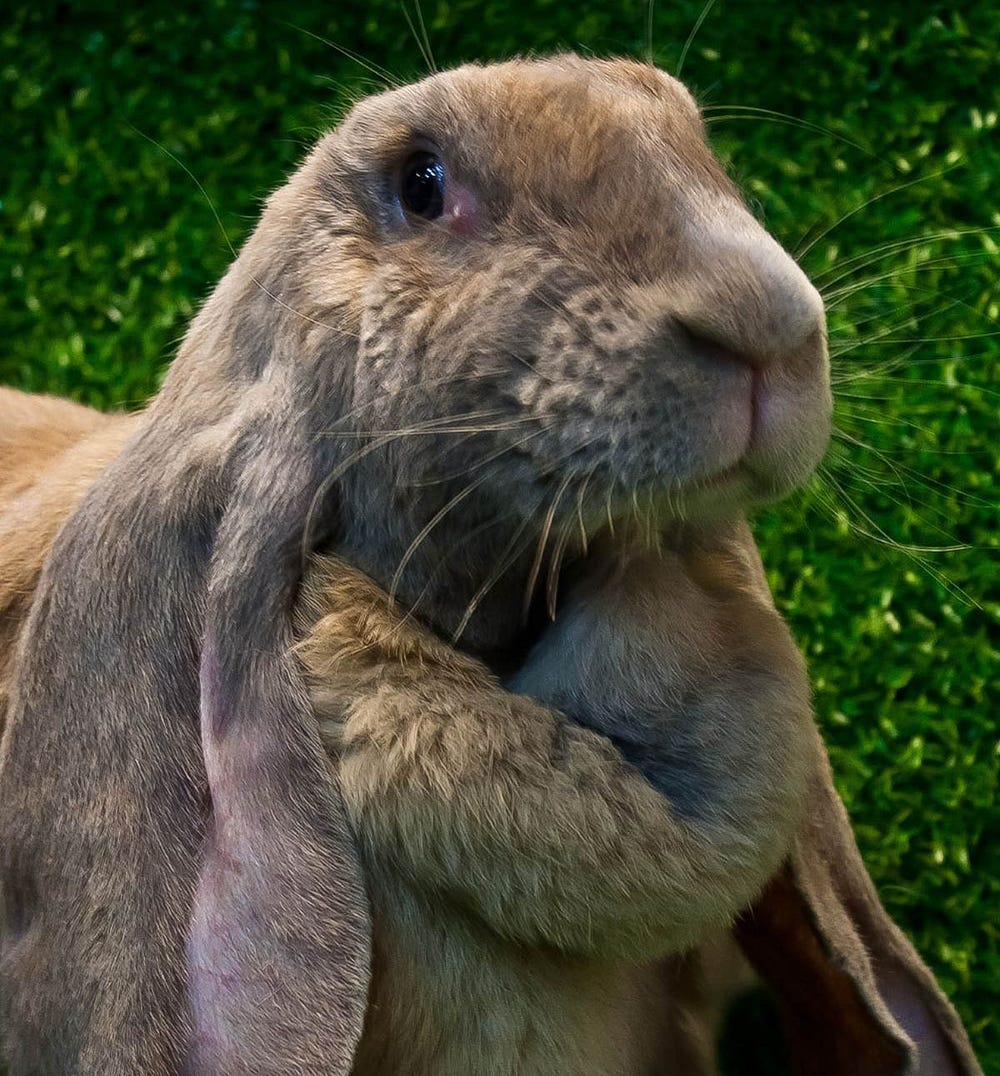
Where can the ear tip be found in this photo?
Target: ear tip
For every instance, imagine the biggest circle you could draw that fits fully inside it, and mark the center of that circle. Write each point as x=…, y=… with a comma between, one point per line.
x=848, y=982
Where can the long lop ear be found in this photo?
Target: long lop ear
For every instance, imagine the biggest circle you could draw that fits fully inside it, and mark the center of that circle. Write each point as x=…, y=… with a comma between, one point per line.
x=854, y=996
x=182, y=892
x=278, y=951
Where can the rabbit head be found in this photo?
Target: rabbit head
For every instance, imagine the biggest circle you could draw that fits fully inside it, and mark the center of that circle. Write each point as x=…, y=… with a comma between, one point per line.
x=526, y=293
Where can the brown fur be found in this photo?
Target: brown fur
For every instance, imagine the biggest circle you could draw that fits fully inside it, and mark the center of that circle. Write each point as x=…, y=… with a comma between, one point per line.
x=555, y=964
x=536, y=996
x=51, y=451
x=225, y=930
x=36, y=430
x=515, y=860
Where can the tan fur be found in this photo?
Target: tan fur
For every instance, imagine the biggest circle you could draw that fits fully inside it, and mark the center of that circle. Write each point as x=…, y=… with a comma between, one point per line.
x=434, y=755
x=515, y=863
x=51, y=451
x=523, y=873
x=34, y=431
x=520, y=1008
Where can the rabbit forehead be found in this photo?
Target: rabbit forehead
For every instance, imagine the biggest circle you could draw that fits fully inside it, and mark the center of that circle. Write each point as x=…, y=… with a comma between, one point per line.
x=560, y=135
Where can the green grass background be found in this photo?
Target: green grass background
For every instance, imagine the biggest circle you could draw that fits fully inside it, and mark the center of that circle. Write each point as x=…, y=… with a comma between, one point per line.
x=822, y=112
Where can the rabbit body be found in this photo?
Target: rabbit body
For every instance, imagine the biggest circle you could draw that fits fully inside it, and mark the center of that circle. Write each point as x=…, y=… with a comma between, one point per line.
x=523, y=874
x=516, y=916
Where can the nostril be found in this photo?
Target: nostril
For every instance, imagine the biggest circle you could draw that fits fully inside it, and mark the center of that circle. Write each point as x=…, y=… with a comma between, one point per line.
x=714, y=350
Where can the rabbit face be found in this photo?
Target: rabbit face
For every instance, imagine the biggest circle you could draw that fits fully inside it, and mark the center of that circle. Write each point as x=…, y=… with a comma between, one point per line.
x=547, y=302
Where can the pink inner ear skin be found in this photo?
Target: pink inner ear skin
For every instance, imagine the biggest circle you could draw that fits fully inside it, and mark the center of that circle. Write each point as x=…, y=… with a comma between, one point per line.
x=277, y=948
x=209, y=975
x=906, y=1004
x=215, y=976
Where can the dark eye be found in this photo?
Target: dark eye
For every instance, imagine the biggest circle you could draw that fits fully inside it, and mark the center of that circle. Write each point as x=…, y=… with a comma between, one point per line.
x=421, y=188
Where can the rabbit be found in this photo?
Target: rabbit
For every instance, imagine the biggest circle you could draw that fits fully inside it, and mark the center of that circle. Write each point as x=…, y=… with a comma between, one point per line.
x=663, y=1000
x=474, y=806
x=519, y=861
x=186, y=890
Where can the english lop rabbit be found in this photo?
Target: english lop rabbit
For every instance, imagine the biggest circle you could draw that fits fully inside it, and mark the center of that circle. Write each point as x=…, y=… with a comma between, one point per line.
x=499, y=329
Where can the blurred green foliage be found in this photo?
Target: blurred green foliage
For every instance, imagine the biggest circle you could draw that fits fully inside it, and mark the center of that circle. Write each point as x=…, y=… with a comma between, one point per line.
x=866, y=137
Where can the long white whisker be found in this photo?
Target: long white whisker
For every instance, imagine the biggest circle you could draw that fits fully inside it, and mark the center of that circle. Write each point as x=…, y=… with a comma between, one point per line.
x=375, y=69
x=510, y=553
x=691, y=36
x=803, y=251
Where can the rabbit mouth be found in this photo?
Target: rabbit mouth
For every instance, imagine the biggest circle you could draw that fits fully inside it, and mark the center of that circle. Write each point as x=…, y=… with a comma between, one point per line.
x=789, y=429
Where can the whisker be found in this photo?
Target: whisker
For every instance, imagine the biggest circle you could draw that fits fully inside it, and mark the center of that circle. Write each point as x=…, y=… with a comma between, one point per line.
x=833, y=297
x=464, y=541
x=803, y=251
x=460, y=422
x=635, y=507
x=431, y=426
x=880, y=419
x=543, y=539
x=885, y=374
x=925, y=339
x=413, y=431
x=581, y=493
x=342, y=330
x=649, y=33
x=423, y=30
x=896, y=246
x=453, y=503
x=423, y=384
x=879, y=534
x=876, y=371
x=940, y=578
x=652, y=533
x=484, y=461
x=555, y=565
x=381, y=73
x=886, y=337
x=508, y=556
x=416, y=37
x=910, y=315
x=607, y=506
x=901, y=471
x=691, y=36
x=743, y=112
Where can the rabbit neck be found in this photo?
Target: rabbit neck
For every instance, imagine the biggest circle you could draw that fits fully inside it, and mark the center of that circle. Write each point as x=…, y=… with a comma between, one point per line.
x=459, y=580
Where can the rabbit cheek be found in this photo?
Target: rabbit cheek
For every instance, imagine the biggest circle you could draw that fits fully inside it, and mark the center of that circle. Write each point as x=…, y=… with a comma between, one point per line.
x=621, y=394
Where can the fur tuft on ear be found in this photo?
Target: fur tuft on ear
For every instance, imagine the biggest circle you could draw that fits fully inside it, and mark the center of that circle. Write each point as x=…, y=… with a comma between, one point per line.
x=854, y=996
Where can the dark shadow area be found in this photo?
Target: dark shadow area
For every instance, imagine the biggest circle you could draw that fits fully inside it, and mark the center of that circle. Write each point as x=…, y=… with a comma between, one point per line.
x=751, y=1043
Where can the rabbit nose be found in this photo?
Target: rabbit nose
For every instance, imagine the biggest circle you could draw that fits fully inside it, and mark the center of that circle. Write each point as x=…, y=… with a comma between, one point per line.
x=796, y=356
x=763, y=321
x=740, y=296
x=715, y=351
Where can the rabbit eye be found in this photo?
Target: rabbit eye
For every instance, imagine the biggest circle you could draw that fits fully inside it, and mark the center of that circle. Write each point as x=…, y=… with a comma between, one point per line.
x=421, y=187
